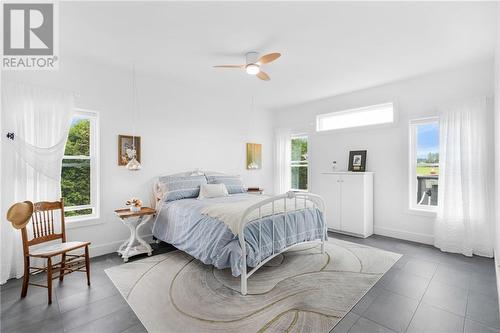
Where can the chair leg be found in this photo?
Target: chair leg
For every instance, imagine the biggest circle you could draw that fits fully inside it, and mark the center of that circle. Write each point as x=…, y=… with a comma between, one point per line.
x=49, y=279
x=63, y=263
x=26, y=277
x=87, y=264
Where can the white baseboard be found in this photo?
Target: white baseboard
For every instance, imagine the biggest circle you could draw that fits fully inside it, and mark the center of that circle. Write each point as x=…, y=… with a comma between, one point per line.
x=102, y=249
x=406, y=235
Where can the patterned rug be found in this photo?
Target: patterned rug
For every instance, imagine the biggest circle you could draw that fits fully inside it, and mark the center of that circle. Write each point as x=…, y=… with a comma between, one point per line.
x=301, y=290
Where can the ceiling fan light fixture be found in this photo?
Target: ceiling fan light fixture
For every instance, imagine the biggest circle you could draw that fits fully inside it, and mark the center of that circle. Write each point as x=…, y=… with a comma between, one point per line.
x=252, y=69
x=253, y=64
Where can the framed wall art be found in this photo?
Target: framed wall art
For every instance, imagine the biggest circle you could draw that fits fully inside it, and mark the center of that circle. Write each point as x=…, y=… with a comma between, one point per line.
x=254, y=156
x=126, y=144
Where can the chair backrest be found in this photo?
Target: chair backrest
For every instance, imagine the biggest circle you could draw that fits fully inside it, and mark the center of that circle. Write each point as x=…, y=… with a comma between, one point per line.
x=42, y=224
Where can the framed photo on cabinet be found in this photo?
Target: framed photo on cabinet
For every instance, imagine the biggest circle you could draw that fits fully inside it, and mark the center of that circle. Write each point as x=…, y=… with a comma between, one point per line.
x=357, y=161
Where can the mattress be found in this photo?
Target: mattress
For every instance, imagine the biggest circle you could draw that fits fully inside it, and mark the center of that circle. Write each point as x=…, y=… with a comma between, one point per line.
x=182, y=224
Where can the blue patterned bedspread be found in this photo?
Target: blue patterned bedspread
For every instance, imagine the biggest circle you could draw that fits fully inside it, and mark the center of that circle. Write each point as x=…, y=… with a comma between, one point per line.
x=181, y=224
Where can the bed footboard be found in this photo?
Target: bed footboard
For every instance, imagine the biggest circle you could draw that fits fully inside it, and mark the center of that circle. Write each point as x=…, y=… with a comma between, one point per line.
x=290, y=201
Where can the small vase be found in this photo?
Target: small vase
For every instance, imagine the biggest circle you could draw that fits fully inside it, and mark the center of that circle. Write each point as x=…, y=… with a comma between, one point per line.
x=135, y=209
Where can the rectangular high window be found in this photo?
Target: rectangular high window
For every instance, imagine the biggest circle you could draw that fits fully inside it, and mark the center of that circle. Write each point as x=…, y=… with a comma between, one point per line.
x=300, y=163
x=79, y=178
x=424, y=164
x=365, y=116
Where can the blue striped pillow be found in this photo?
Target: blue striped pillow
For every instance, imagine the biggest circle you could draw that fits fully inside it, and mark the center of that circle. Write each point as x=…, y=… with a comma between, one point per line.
x=180, y=187
x=234, y=184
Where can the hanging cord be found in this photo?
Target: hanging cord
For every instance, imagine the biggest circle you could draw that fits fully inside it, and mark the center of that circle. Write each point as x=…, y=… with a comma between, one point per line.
x=133, y=111
x=133, y=163
x=252, y=114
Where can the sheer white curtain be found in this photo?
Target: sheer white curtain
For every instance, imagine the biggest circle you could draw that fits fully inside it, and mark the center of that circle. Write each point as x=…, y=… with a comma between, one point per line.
x=40, y=119
x=283, y=160
x=465, y=200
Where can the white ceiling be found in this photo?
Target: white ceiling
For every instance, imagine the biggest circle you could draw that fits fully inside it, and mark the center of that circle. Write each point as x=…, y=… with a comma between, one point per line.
x=328, y=48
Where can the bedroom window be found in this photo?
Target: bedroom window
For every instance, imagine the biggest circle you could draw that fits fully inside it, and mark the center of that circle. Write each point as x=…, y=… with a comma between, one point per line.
x=424, y=164
x=300, y=164
x=365, y=116
x=79, y=176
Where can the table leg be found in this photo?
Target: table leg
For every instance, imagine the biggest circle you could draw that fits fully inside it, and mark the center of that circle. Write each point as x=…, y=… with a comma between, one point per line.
x=120, y=249
x=132, y=225
x=135, y=244
x=139, y=238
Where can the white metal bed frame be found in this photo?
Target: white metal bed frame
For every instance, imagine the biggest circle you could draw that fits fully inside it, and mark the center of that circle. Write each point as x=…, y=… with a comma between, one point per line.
x=300, y=202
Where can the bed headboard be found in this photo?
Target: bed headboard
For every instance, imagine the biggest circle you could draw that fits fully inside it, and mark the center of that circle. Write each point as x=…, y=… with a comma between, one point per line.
x=157, y=193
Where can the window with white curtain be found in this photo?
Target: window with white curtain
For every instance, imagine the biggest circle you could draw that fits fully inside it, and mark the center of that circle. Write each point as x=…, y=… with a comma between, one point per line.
x=424, y=164
x=365, y=116
x=299, y=163
x=80, y=172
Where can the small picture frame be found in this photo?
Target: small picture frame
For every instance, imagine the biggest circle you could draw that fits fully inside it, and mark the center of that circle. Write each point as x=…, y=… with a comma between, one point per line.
x=125, y=145
x=357, y=161
x=254, y=156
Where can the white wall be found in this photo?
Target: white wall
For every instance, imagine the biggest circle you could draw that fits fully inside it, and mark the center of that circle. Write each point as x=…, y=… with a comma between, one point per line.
x=183, y=126
x=497, y=155
x=186, y=126
x=387, y=146
x=497, y=140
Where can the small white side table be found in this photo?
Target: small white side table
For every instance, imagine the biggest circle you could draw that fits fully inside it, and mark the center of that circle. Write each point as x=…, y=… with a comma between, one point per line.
x=134, y=221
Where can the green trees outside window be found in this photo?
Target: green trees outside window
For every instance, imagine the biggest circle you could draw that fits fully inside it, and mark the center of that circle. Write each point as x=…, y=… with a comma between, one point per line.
x=76, y=169
x=299, y=163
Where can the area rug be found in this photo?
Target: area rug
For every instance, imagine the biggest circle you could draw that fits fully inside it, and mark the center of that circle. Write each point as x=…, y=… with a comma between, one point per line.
x=301, y=290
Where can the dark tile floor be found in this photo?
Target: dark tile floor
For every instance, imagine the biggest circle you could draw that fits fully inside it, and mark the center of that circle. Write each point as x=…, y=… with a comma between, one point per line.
x=425, y=291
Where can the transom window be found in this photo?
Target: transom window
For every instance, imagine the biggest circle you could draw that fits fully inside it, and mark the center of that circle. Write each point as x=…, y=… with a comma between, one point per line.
x=365, y=116
x=300, y=163
x=79, y=177
x=424, y=164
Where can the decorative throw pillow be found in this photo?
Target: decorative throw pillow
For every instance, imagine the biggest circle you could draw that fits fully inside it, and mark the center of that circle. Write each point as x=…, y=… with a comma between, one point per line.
x=234, y=184
x=180, y=187
x=197, y=172
x=212, y=191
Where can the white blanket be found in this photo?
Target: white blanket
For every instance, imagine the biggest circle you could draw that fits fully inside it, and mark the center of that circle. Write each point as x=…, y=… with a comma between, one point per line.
x=231, y=213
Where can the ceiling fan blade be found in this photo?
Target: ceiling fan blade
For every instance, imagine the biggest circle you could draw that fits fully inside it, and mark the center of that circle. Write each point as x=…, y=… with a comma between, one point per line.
x=229, y=66
x=263, y=76
x=269, y=57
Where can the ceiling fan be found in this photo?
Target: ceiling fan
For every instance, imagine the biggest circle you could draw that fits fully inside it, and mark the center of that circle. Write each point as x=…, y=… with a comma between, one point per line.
x=254, y=63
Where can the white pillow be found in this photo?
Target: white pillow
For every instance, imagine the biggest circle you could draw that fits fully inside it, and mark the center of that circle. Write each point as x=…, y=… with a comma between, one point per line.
x=212, y=191
x=197, y=172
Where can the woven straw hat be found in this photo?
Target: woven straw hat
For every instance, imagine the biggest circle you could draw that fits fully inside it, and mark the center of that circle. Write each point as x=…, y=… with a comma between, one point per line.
x=20, y=213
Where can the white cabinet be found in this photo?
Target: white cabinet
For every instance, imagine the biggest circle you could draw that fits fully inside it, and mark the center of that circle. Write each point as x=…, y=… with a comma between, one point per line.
x=349, y=201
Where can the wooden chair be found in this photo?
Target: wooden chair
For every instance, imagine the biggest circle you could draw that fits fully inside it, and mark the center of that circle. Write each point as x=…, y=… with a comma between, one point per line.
x=42, y=222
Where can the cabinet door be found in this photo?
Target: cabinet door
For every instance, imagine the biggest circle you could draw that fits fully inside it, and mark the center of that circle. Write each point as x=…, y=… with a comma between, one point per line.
x=352, y=205
x=329, y=189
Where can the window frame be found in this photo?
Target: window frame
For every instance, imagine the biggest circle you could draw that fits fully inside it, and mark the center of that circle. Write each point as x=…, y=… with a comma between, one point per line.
x=85, y=220
x=412, y=203
x=354, y=110
x=298, y=136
